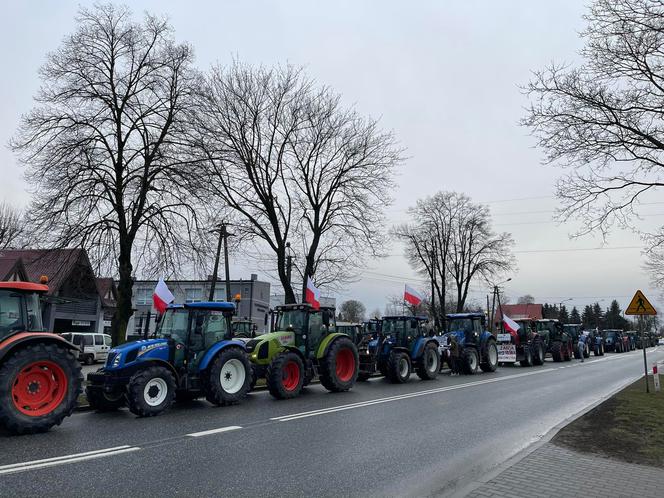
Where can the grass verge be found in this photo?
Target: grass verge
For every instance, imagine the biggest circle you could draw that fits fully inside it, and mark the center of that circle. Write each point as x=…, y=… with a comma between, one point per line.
x=628, y=426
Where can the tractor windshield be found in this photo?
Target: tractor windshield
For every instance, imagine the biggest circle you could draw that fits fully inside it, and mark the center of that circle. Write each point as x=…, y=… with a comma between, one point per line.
x=11, y=314
x=611, y=334
x=173, y=325
x=34, y=313
x=460, y=325
x=292, y=320
x=395, y=328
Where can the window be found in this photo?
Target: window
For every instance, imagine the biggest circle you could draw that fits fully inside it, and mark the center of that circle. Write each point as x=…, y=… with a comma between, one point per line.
x=220, y=294
x=11, y=319
x=108, y=341
x=193, y=295
x=87, y=340
x=99, y=340
x=76, y=339
x=34, y=313
x=245, y=292
x=138, y=325
x=173, y=325
x=143, y=297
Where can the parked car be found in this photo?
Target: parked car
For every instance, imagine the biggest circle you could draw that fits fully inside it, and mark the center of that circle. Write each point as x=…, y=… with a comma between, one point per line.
x=92, y=347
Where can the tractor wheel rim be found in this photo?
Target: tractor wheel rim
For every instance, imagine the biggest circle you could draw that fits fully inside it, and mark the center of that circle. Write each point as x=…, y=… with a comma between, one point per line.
x=432, y=362
x=39, y=388
x=291, y=376
x=473, y=361
x=345, y=365
x=493, y=354
x=155, y=391
x=403, y=367
x=232, y=376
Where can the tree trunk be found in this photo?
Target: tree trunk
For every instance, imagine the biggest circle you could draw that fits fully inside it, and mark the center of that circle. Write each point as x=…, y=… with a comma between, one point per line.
x=289, y=295
x=125, y=292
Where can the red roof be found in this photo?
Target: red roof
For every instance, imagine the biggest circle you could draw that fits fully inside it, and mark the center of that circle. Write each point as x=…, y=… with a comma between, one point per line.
x=520, y=311
x=25, y=286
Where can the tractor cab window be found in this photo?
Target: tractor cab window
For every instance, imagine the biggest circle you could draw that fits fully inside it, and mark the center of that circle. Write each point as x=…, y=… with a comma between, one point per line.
x=477, y=326
x=173, y=325
x=34, y=313
x=611, y=334
x=291, y=320
x=461, y=325
x=213, y=327
x=395, y=328
x=316, y=327
x=11, y=314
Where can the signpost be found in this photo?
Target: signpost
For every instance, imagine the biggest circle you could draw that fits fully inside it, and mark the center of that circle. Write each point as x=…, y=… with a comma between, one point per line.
x=639, y=305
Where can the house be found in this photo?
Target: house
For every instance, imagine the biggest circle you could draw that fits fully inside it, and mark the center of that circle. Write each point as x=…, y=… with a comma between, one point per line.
x=108, y=292
x=73, y=302
x=519, y=312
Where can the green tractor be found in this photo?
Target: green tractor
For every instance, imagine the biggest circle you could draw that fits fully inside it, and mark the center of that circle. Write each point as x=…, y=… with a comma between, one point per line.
x=353, y=330
x=243, y=329
x=558, y=342
x=304, y=345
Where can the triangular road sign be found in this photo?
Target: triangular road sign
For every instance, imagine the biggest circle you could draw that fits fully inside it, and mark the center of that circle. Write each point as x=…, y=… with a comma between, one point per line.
x=640, y=305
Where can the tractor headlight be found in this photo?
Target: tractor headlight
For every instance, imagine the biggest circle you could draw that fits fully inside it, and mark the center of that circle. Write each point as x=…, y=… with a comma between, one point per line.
x=116, y=360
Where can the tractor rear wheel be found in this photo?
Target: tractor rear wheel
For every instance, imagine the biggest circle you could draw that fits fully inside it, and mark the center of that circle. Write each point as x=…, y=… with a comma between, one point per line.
x=39, y=387
x=429, y=365
x=151, y=391
x=577, y=356
x=527, y=357
x=557, y=351
x=538, y=356
x=398, y=367
x=339, y=367
x=102, y=401
x=490, y=357
x=567, y=352
x=469, y=361
x=229, y=377
x=285, y=375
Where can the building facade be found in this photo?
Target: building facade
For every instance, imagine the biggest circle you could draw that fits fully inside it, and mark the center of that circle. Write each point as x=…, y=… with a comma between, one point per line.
x=253, y=304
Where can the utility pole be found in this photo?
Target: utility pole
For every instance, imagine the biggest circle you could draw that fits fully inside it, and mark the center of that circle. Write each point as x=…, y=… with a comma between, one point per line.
x=223, y=239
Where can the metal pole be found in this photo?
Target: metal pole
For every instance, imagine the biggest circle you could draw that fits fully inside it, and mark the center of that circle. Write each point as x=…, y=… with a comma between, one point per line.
x=643, y=343
x=147, y=325
x=216, y=265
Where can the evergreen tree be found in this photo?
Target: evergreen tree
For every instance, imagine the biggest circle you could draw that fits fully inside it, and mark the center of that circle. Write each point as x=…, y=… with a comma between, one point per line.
x=598, y=316
x=588, y=318
x=574, y=316
x=563, y=315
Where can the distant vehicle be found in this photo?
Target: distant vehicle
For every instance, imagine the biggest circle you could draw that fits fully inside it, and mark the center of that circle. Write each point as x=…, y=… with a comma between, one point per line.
x=353, y=330
x=467, y=345
x=94, y=347
x=575, y=331
x=525, y=346
x=558, y=342
x=244, y=329
x=661, y=341
x=615, y=340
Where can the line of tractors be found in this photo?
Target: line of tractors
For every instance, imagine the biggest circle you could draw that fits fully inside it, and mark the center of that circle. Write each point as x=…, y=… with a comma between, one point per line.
x=197, y=352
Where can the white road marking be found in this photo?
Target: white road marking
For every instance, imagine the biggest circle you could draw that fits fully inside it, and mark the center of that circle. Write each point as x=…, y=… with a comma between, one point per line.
x=215, y=431
x=362, y=404
x=65, y=459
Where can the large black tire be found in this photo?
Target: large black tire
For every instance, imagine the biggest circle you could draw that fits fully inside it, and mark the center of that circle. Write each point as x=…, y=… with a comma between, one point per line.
x=285, y=375
x=567, y=352
x=382, y=368
x=229, y=377
x=340, y=365
x=398, y=367
x=429, y=364
x=104, y=402
x=538, y=353
x=89, y=359
x=469, y=361
x=17, y=365
x=151, y=391
x=527, y=357
x=489, y=361
x=577, y=356
x=557, y=351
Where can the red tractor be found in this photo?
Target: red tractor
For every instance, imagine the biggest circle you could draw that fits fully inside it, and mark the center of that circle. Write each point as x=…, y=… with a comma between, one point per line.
x=40, y=377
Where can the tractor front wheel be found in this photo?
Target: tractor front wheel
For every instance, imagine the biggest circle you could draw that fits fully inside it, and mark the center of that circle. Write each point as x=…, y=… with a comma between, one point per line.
x=489, y=361
x=429, y=364
x=527, y=357
x=469, y=361
x=229, y=378
x=339, y=367
x=285, y=376
x=151, y=391
x=538, y=358
x=398, y=367
x=557, y=351
x=102, y=401
x=567, y=352
x=39, y=387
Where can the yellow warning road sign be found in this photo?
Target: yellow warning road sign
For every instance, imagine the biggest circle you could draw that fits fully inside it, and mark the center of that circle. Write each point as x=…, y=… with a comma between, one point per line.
x=640, y=305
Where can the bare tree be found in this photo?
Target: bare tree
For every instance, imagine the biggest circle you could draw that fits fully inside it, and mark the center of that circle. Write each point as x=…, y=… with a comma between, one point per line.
x=101, y=146
x=527, y=299
x=353, y=311
x=11, y=226
x=603, y=118
x=450, y=240
x=297, y=167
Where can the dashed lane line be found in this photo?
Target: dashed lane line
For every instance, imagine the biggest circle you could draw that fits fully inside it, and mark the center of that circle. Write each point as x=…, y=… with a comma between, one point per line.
x=215, y=431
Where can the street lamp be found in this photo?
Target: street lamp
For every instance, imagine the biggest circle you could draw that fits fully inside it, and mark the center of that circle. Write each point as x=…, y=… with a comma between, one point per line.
x=560, y=304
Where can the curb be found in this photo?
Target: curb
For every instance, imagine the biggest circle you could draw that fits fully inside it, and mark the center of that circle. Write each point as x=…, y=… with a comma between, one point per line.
x=520, y=455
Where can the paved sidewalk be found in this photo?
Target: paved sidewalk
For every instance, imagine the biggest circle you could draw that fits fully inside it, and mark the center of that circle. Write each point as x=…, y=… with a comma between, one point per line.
x=584, y=475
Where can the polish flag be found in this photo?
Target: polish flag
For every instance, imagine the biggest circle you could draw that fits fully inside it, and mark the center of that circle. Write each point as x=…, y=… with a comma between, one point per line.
x=411, y=296
x=313, y=294
x=162, y=297
x=511, y=326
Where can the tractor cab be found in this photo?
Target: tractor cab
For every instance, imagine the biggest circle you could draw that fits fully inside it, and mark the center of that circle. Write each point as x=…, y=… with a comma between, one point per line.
x=574, y=330
x=552, y=329
x=353, y=330
x=244, y=329
x=307, y=325
x=465, y=327
x=526, y=329
x=20, y=309
x=402, y=331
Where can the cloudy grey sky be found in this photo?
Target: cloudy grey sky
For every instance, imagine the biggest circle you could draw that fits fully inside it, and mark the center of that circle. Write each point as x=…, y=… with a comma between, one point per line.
x=443, y=75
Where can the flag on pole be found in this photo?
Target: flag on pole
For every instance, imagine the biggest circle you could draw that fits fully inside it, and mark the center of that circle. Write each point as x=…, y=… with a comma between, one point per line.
x=162, y=296
x=511, y=326
x=411, y=296
x=313, y=294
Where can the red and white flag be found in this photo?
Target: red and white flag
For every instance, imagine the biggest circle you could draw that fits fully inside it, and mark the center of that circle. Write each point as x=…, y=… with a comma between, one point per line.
x=313, y=294
x=162, y=297
x=411, y=296
x=510, y=325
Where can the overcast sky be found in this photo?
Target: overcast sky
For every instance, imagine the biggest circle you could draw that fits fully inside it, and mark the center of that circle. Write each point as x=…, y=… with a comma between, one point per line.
x=442, y=75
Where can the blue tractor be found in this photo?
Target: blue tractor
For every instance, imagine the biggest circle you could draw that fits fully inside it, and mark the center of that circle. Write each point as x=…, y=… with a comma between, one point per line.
x=467, y=345
x=192, y=354
x=401, y=346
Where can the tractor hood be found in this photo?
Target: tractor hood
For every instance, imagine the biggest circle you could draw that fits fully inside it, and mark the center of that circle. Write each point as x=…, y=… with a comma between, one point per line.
x=129, y=352
x=458, y=335
x=262, y=349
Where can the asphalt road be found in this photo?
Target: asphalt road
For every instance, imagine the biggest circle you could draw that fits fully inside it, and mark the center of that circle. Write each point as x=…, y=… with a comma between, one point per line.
x=379, y=439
